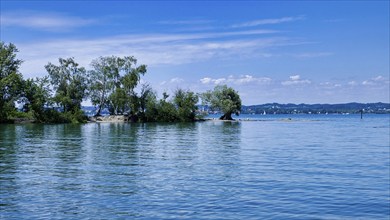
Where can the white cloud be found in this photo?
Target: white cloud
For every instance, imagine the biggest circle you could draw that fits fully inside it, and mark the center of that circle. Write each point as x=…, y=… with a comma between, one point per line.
x=376, y=81
x=368, y=83
x=295, y=77
x=330, y=85
x=295, y=80
x=268, y=21
x=219, y=81
x=43, y=21
x=379, y=78
x=208, y=80
x=245, y=79
x=176, y=80
x=173, y=81
x=241, y=80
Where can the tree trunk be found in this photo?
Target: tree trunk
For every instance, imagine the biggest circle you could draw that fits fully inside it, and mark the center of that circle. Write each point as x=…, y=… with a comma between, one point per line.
x=226, y=116
x=98, y=111
x=100, y=105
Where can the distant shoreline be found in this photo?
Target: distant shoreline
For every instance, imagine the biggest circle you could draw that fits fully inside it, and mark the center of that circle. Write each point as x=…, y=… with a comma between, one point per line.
x=125, y=119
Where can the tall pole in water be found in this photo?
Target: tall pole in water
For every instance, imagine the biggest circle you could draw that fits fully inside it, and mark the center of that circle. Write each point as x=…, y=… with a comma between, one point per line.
x=361, y=113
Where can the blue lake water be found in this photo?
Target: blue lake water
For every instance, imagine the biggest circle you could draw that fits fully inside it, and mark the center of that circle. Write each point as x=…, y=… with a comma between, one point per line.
x=309, y=167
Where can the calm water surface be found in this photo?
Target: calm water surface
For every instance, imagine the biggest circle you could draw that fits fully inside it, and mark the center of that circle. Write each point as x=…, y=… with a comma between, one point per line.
x=310, y=167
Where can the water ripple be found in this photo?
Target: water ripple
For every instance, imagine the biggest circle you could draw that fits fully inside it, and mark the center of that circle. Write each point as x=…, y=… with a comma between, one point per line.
x=320, y=169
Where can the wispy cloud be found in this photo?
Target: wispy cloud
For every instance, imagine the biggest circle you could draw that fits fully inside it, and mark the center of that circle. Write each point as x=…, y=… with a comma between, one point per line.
x=175, y=80
x=209, y=80
x=376, y=81
x=43, y=21
x=330, y=85
x=152, y=49
x=295, y=80
x=241, y=80
x=268, y=21
x=352, y=83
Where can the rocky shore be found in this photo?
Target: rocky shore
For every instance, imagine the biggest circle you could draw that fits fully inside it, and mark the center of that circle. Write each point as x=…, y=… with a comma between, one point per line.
x=109, y=118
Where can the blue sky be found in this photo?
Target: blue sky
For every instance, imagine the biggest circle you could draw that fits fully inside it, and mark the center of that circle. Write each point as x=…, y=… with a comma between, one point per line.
x=269, y=51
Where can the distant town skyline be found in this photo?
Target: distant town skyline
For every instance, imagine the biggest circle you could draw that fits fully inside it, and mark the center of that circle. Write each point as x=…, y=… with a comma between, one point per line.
x=285, y=52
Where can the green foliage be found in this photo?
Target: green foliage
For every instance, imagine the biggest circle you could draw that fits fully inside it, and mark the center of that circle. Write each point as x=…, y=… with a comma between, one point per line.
x=117, y=101
x=54, y=116
x=113, y=78
x=225, y=99
x=132, y=74
x=69, y=82
x=166, y=112
x=76, y=117
x=10, y=80
x=159, y=110
x=146, y=94
x=8, y=62
x=150, y=112
x=36, y=97
x=185, y=102
x=101, y=81
x=24, y=115
x=181, y=108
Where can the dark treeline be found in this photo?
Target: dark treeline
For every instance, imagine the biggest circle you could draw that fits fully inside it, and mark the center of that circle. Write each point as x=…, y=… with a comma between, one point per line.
x=111, y=84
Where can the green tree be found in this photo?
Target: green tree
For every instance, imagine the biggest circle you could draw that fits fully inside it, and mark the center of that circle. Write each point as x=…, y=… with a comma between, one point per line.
x=117, y=101
x=10, y=80
x=130, y=80
x=102, y=81
x=224, y=99
x=69, y=82
x=185, y=102
x=37, y=95
x=146, y=94
x=160, y=110
x=132, y=74
x=151, y=108
x=111, y=78
x=166, y=111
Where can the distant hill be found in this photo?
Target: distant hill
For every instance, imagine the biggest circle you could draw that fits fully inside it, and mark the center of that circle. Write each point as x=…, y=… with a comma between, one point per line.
x=353, y=107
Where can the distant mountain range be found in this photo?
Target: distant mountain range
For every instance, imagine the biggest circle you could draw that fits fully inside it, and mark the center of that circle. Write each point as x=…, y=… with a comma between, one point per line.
x=276, y=108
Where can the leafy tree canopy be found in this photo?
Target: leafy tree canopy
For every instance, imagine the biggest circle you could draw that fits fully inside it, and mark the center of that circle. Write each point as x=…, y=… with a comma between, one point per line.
x=224, y=99
x=185, y=102
x=10, y=80
x=112, y=83
x=69, y=82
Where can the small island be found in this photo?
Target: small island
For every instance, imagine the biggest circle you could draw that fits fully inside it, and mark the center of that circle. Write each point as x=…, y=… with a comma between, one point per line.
x=113, y=83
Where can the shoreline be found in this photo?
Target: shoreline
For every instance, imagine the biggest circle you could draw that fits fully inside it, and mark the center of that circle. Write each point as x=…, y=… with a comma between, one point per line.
x=127, y=119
